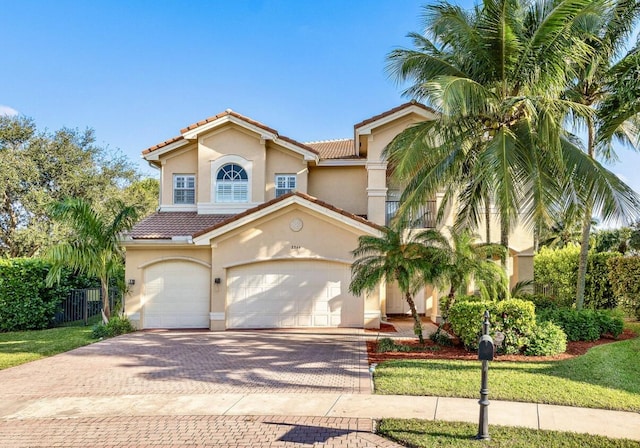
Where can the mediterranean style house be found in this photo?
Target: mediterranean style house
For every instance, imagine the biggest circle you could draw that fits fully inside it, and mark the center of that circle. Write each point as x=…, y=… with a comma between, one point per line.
x=255, y=229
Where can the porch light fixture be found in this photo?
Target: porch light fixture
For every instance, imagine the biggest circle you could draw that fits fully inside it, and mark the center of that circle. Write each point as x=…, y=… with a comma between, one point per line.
x=131, y=281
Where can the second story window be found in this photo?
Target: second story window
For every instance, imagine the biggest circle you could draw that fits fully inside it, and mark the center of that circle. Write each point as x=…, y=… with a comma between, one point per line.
x=184, y=189
x=285, y=183
x=232, y=184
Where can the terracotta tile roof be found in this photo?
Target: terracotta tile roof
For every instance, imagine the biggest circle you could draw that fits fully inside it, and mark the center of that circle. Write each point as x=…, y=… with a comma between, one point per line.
x=231, y=113
x=164, y=225
x=335, y=149
x=163, y=144
x=282, y=198
x=393, y=111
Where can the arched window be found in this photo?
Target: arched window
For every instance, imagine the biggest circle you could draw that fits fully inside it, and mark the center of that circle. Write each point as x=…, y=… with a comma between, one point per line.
x=232, y=184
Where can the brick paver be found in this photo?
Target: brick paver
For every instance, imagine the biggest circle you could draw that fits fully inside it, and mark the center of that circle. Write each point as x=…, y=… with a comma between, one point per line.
x=198, y=363
x=192, y=431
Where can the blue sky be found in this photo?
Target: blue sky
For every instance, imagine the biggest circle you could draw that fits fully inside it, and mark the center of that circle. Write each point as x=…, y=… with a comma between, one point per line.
x=139, y=71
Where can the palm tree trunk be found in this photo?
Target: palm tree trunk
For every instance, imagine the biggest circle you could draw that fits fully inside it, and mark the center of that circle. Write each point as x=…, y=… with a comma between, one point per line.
x=504, y=239
x=586, y=228
x=487, y=218
x=417, y=323
x=104, y=289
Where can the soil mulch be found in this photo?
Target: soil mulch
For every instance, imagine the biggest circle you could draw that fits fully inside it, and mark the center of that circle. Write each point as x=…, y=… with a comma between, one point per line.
x=432, y=351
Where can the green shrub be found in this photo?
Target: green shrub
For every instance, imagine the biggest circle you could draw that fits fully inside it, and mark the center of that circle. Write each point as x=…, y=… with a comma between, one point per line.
x=559, y=269
x=514, y=318
x=540, y=301
x=116, y=326
x=26, y=303
x=624, y=274
x=548, y=339
x=441, y=337
x=584, y=325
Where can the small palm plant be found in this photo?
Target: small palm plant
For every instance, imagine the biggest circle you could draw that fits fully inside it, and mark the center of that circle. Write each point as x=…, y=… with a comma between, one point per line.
x=398, y=255
x=93, y=247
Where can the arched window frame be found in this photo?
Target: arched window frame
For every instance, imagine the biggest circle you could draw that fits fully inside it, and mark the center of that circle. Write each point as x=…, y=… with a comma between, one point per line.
x=217, y=164
x=232, y=184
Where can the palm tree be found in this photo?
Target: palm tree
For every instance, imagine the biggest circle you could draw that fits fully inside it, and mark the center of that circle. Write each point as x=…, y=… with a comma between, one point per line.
x=495, y=76
x=469, y=261
x=397, y=256
x=610, y=85
x=93, y=247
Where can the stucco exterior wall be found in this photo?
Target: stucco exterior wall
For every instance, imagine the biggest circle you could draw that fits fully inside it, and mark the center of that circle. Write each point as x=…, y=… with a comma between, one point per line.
x=184, y=161
x=138, y=258
x=232, y=140
x=282, y=161
x=271, y=238
x=342, y=186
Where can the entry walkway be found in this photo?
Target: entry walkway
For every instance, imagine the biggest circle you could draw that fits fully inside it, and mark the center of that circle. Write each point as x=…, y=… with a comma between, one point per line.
x=332, y=406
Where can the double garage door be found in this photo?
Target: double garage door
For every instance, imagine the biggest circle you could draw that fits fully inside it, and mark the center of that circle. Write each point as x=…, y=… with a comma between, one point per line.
x=282, y=294
x=278, y=294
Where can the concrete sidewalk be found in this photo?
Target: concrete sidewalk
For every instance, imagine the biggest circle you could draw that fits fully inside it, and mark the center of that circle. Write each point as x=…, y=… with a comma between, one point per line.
x=538, y=416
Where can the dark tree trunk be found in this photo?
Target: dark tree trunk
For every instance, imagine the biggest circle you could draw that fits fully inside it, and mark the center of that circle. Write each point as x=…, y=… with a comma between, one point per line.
x=417, y=323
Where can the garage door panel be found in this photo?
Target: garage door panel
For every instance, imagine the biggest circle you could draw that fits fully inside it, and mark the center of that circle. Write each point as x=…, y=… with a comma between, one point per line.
x=292, y=294
x=176, y=295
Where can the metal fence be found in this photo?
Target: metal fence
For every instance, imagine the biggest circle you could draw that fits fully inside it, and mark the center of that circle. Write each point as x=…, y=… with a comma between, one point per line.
x=84, y=304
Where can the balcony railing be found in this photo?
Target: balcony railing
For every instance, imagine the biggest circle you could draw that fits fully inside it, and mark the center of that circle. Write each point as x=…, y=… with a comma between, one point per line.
x=422, y=218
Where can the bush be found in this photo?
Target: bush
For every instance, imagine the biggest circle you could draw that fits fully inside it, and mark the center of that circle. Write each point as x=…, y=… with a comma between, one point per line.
x=440, y=337
x=116, y=326
x=540, y=301
x=515, y=318
x=559, y=268
x=584, y=325
x=624, y=274
x=26, y=303
x=548, y=339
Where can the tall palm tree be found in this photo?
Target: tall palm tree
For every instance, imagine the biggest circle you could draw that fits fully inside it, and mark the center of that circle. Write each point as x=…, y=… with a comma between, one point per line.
x=397, y=256
x=495, y=76
x=93, y=246
x=609, y=83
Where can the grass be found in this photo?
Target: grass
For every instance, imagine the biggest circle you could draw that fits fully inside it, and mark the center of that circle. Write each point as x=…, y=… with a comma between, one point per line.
x=606, y=377
x=20, y=347
x=422, y=433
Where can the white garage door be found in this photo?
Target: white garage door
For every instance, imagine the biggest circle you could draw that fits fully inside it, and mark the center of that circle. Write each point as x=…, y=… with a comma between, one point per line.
x=292, y=294
x=176, y=295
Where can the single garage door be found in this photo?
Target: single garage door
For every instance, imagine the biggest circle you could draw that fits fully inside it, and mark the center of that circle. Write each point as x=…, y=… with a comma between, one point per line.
x=176, y=295
x=282, y=294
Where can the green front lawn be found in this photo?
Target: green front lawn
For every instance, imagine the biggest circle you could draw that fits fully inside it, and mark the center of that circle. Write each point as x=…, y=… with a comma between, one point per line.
x=19, y=347
x=606, y=377
x=422, y=433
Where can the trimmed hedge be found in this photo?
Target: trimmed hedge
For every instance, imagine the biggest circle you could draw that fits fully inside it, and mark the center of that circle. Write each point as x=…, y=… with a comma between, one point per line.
x=624, y=274
x=548, y=339
x=559, y=268
x=515, y=318
x=583, y=325
x=25, y=301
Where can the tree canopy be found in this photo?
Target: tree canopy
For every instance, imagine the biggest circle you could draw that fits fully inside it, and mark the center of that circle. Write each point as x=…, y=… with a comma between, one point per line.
x=41, y=167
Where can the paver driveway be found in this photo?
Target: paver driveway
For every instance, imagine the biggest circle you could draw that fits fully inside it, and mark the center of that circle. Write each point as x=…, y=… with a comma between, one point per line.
x=102, y=395
x=199, y=362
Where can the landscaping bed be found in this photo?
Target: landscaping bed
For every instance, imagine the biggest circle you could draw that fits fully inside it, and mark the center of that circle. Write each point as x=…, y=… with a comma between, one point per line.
x=457, y=352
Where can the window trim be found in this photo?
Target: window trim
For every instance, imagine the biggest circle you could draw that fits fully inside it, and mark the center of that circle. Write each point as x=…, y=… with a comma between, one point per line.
x=288, y=188
x=235, y=187
x=185, y=189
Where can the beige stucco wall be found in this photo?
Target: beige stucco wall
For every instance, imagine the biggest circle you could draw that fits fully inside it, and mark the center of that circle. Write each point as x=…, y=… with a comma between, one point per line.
x=182, y=161
x=270, y=238
x=342, y=186
x=283, y=161
x=232, y=140
x=138, y=258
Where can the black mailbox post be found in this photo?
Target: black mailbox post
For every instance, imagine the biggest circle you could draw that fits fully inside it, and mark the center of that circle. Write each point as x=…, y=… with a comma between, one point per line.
x=485, y=354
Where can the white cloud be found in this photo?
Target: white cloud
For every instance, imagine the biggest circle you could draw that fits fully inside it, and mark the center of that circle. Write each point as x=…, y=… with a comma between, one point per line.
x=9, y=111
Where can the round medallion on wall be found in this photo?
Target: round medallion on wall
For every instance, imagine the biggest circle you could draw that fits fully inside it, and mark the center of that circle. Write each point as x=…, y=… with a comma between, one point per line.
x=296, y=224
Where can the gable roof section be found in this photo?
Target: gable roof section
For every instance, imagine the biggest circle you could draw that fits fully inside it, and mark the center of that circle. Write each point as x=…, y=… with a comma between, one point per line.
x=166, y=225
x=192, y=132
x=335, y=149
x=202, y=237
x=365, y=127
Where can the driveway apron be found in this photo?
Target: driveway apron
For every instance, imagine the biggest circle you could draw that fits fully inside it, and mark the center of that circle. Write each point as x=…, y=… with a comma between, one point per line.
x=173, y=362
